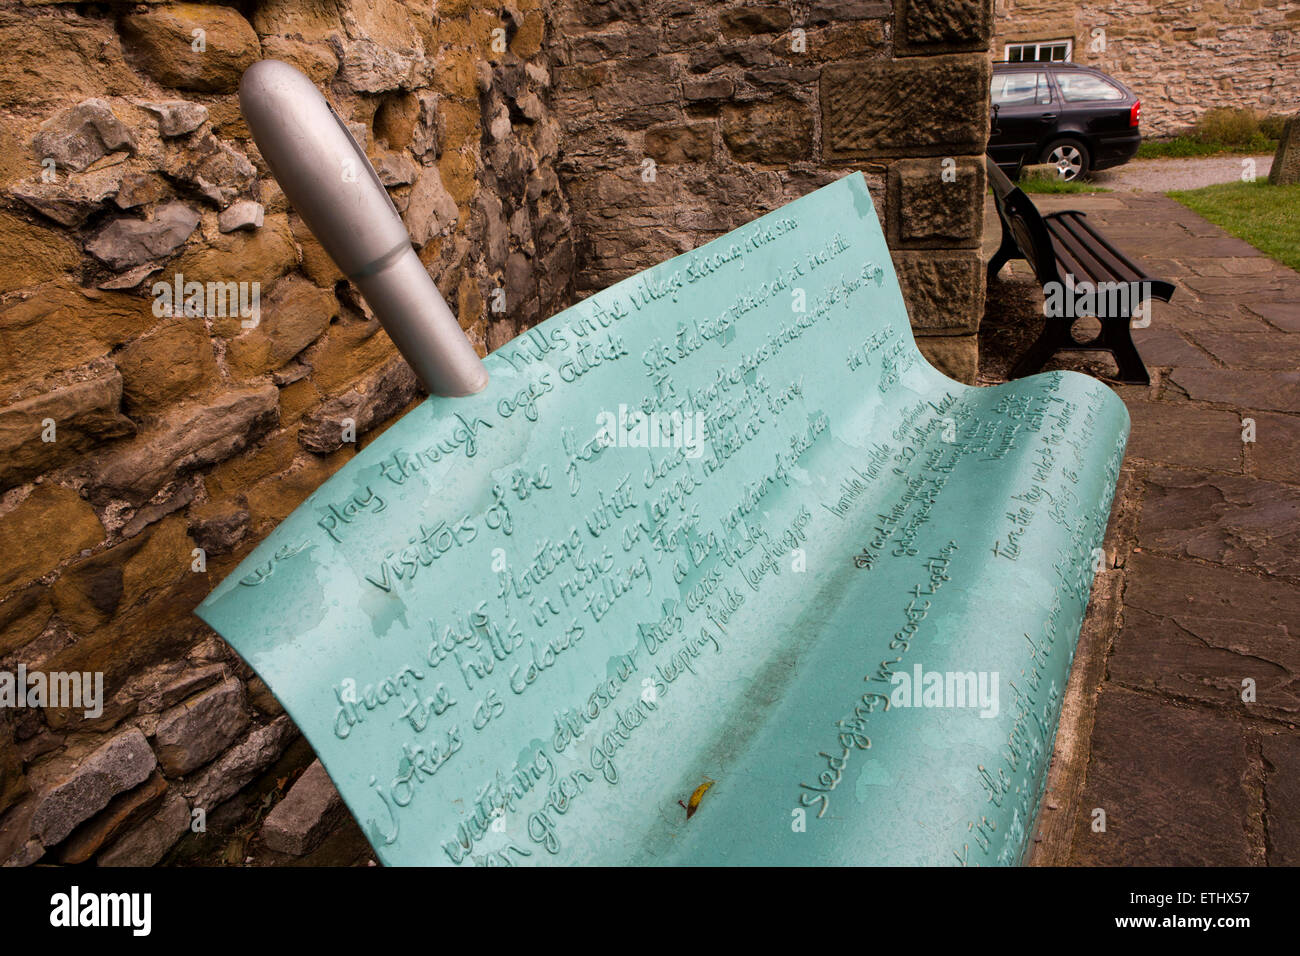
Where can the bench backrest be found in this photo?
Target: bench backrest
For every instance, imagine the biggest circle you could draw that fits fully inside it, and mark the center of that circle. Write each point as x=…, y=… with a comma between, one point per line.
x=1025, y=224
x=717, y=569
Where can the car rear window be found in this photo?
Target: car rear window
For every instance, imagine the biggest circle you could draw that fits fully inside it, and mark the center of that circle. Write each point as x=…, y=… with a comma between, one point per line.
x=1020, y=89
x=1076, y=87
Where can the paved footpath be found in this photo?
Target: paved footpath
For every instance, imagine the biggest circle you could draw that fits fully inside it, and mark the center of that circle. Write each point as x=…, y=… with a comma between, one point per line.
x=1162, y=175
x=1200, y=600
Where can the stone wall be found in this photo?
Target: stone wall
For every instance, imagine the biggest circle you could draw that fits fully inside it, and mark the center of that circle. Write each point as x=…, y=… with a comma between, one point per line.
x=684, y=120
x=142, y=455
x=1181, y=59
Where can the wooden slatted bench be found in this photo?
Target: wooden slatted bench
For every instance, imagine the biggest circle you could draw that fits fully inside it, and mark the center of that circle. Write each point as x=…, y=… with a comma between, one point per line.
x=1075, y=263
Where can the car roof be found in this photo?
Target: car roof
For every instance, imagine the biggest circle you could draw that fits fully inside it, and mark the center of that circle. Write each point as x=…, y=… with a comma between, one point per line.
x=1052, y=65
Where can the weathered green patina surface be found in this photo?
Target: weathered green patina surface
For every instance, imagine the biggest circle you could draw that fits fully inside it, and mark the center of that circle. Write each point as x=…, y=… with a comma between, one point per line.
x=717, y=570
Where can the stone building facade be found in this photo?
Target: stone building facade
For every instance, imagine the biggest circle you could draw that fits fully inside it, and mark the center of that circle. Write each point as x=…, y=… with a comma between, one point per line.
x=144, y=453
x=1181, y=59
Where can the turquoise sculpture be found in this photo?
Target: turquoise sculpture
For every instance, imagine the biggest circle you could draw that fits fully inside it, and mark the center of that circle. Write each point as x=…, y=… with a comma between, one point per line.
x=716, y=570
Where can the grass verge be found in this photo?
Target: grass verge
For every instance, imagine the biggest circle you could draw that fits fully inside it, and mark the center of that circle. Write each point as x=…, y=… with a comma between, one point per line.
x=1268, y=217
x=1184, y=147
x=1033, y=184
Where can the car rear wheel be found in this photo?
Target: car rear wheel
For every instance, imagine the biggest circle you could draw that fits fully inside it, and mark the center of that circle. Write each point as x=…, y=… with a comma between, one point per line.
x=1069, y=156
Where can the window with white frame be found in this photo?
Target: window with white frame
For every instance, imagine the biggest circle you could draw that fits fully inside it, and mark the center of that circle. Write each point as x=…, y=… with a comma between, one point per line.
x=1039, y=52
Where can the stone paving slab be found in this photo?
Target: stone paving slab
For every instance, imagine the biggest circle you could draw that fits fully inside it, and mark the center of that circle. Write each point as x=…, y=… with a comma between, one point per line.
x=1246, y=350
x=1197, y=630
x=1236, y=286
x=1282, y=314
x=1225, y=268
x=1275, y=453
x=1273, y=391
x=1171, y=782
x=1193, y=590
x=1202, y=660
x=1224, y=315
x=1282, y=789
x=1185, y=435
x=1165, y=345
x=1201, y=590
x=1231, y=520
x=1167, y=268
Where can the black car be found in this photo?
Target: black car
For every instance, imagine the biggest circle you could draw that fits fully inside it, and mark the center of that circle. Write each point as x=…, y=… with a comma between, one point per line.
x=1072, y=116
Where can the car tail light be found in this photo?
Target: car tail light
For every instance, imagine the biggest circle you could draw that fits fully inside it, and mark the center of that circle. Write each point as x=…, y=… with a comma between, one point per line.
x=1135, y=113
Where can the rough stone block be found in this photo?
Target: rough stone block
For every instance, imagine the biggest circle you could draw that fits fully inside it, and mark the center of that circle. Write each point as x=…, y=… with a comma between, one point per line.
x=177, y=117
x=292, y=317
x=432, y=211
x=821, y=12
x=933, y=106
x=120, y=764
x=13, y=782
x=1285, y=170
x=161, y=40
x=51, y=60
x=633, y=85
x=72, y=199
x=371, y=67
x=240, y=764
x=317, y=60
x=779, y=130
x=937, y=202
x=192, y=733
x=17, y=845
x=680, y=143
x=192, y=437
x=217, y=526
x=215, y=168
x=172, y=362
x=50, y=513
x=78, y=136
x=377, y=397
x=944, y=291
x=316, y=262
x=261, y=256
x=121, y=813
x=125, y=243
x=33, y=254
x=139, y=189
x=314, y=22
x=300, y=821
x=89, y=591
x=83, y=414
x=957, y=356
x=61, y=327
x=148, y=843
x=706, y=90
x=23, y=616
x=942, y=26
x=748, y=21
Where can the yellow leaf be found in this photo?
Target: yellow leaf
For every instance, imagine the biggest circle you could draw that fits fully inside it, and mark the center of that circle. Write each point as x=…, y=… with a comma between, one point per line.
x=694, y=803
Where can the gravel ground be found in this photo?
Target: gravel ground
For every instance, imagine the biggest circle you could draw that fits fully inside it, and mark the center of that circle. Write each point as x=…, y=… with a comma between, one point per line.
x=1162, y=175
